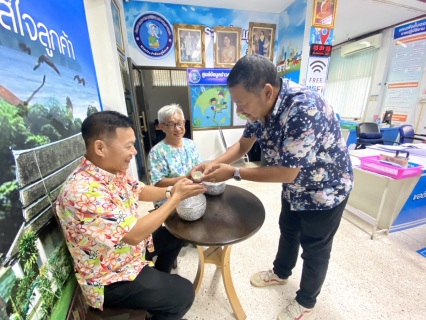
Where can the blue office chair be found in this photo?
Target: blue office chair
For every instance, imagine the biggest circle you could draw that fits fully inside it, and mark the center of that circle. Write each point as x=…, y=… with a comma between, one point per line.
x=368, y=133
x=407, y=135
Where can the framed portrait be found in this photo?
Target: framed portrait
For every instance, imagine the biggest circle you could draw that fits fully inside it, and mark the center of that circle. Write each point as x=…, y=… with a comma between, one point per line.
x=123, y=71
x=262, y=39
x=324, y=13
x=189, y=46
x=117, y=26
x=227, y=46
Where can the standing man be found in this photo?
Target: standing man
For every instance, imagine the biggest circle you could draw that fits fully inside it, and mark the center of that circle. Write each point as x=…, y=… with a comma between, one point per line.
x=300, y=137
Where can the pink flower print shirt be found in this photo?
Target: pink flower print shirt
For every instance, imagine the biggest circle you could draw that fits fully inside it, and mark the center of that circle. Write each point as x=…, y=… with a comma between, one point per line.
x=96, y=210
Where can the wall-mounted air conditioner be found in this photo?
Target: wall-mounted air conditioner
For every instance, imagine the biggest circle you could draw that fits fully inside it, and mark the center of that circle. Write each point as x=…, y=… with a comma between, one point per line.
x=373, y=42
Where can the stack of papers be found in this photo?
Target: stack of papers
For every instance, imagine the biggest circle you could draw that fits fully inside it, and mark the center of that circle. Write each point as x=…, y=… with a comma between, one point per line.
x=418, y=149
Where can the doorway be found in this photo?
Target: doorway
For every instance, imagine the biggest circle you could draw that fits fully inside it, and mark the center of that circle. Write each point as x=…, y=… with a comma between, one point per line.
x=160, y=87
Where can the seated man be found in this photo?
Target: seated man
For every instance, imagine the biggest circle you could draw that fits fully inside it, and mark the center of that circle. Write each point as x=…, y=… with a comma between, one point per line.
x=109, y=240
x=172, y=159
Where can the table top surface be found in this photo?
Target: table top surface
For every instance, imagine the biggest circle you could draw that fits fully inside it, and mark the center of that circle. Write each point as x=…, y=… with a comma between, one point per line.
x=231, y=217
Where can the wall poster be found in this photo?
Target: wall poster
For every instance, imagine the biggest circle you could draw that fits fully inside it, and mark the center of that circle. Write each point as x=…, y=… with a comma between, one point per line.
x=48, y=87
x=405, y=71
x=210, y=101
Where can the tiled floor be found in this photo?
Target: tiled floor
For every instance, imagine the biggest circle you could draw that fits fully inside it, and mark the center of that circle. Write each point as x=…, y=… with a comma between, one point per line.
x=367, y=279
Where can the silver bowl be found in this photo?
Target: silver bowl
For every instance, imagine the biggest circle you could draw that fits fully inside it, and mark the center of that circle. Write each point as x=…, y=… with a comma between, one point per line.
x=192, y=208
x=214, y=188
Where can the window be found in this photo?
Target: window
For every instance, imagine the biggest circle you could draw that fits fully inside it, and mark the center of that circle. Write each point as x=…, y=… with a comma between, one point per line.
x=168, y=78
x=349, y=81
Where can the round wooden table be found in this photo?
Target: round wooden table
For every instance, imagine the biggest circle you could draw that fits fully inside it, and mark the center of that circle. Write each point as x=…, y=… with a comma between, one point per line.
x=231, y=217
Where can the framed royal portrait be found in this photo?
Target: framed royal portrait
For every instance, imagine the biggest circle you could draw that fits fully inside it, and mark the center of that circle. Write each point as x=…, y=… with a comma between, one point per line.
x=324, y=13
x=118, y=31
x=189, y=46
x=227, y=46
x=262, y=39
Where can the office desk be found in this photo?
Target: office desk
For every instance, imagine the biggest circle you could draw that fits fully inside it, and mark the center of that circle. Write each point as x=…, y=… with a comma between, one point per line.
x=385, y=203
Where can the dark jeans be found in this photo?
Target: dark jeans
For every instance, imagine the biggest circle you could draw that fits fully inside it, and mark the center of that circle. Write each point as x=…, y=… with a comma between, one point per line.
x=164, y=295
x=314, y=231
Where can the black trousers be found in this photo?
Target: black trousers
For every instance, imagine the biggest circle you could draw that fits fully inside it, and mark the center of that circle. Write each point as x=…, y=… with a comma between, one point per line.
x=164, y=295
x=314, y=231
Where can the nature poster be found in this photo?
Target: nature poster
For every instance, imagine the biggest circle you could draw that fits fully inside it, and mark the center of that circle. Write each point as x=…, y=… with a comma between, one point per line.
x=47, y=87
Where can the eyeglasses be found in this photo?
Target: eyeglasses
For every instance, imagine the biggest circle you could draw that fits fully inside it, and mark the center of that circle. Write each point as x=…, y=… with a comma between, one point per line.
x=174, y=125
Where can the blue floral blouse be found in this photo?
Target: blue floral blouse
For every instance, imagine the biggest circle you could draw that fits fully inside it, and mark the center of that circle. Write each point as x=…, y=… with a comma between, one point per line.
x=169, y=162
x=303, y=132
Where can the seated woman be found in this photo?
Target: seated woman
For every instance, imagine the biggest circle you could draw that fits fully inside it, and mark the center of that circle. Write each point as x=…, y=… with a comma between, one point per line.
x=173, y=158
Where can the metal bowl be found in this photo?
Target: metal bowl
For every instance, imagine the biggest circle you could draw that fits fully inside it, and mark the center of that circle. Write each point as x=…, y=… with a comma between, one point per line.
x=214, y=188
x=192, y=208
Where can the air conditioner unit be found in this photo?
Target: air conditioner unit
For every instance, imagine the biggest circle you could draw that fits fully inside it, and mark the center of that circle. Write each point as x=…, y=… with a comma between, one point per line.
x=373, y=42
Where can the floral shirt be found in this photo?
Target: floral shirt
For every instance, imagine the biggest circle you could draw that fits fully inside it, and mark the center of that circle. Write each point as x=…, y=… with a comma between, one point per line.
x=303, y=132
x=96, y=209
x=166, y=161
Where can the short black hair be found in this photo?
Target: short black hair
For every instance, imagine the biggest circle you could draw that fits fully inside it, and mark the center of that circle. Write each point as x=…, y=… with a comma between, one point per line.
x=103, y=124
x=220, y=93
x=253, y=72
x=212, y=99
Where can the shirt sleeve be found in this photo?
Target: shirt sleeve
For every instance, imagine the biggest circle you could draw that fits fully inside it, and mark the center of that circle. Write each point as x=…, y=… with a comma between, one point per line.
x=302, y=134
x=250, y=130
x=158, y=166
x=95, y=215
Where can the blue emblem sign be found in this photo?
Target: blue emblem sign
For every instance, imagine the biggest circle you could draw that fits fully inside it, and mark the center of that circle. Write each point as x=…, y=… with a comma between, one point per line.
x=216, y=77
x=153, y=35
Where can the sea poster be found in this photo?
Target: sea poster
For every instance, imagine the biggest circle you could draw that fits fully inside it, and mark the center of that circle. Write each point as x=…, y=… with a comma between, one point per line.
x=155, y=21
x=48, y=87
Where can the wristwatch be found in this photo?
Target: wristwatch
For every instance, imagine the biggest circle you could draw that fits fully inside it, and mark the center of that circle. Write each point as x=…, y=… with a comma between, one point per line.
x=169, y=192
x=237, y=175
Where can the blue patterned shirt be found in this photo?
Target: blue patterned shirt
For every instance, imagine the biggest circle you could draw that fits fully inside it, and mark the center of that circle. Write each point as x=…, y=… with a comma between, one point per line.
x=169, y=162
x=303, y=132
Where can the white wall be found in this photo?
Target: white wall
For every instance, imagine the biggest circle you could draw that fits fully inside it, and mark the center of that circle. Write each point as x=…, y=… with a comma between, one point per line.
x=306, y=38
x=209, y=143
x=102, y=39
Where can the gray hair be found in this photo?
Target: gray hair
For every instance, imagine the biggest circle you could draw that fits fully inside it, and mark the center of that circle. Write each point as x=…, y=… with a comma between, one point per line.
x=253, y=72
x=169, y=111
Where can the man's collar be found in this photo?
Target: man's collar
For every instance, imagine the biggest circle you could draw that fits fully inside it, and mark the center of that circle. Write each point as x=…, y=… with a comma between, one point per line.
x=280, y=97
x=101, y=174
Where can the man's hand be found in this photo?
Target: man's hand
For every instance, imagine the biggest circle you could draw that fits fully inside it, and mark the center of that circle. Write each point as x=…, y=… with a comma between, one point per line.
x=218, y=173
x=205, y=168
x=185, y=188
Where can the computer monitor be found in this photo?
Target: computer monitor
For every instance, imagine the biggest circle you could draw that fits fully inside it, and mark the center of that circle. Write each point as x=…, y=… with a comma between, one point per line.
x=387, y=118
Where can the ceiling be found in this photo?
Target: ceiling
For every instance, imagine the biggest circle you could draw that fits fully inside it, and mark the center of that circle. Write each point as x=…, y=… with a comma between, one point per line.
x=354, y=17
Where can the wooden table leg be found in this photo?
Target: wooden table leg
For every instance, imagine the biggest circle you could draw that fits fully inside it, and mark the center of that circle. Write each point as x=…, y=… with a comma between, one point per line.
x=221, y=258
x=200, y=271
x=229, y=285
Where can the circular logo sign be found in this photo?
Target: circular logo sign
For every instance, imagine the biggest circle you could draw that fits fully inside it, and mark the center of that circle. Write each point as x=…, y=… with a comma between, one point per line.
x=153, y=35
x=194, y=76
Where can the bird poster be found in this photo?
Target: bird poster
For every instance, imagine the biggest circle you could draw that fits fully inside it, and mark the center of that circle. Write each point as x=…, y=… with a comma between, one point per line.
x=48, y=87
